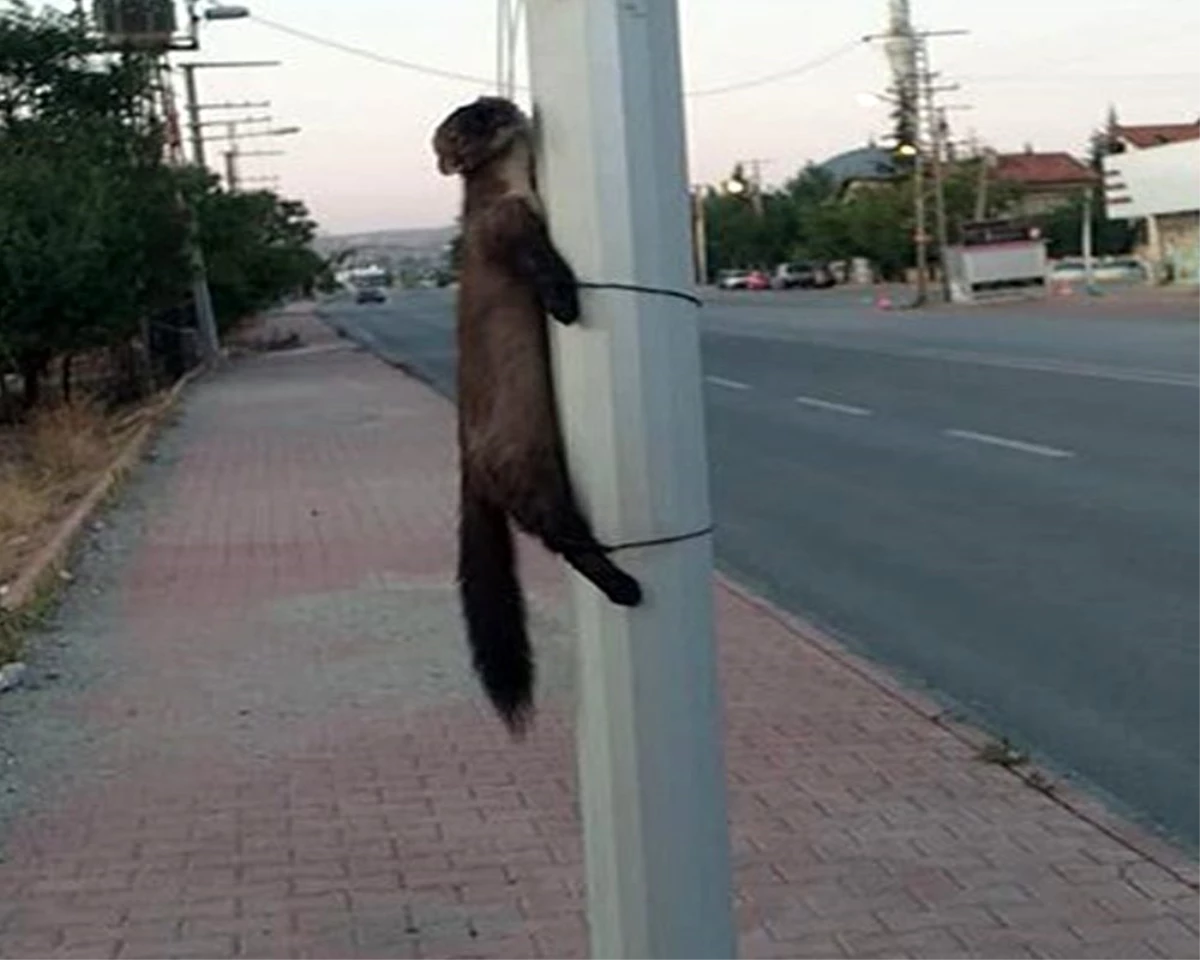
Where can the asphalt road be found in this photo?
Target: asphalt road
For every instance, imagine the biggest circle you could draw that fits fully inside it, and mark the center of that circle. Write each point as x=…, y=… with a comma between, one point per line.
x=1000, y=504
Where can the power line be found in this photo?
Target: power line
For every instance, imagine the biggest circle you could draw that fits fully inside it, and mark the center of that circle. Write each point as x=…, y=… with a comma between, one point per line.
x=478, y=80
x=1079, y=77
x=372, y=55
x=780, y=75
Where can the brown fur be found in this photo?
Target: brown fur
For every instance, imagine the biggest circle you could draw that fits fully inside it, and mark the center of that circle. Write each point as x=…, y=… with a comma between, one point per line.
x=510, y=444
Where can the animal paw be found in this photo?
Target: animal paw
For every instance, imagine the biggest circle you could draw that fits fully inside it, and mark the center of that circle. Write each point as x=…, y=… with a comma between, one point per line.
x=562, y=303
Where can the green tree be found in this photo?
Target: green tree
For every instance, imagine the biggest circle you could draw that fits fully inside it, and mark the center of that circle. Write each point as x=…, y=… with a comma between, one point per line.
x=92, y=221
x=88, y=240
x=258, y=247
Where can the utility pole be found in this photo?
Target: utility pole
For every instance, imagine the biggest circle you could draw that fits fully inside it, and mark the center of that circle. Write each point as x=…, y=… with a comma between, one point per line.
x=756, y=183
x=935, y=121
x=193, y=99
x=206, y=318
x=700, y=234
x=921, y=233
x=193, y=110
x=908, y=54
x=609, y=108
x=1089, y=275
x=981, y=191
x=508, y=28
x=231, y=160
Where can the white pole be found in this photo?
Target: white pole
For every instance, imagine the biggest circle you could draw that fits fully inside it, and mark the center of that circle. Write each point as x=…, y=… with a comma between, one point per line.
x=608, y=104
x=1086, y=241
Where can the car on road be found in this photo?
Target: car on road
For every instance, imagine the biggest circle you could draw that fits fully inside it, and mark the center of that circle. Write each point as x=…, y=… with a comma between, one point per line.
x=743, y=280
x=803, y=274
x=370, y=295
x=1104, y=270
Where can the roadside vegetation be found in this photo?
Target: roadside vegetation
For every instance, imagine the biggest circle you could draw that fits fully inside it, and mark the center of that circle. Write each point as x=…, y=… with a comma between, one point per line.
x=96, y=314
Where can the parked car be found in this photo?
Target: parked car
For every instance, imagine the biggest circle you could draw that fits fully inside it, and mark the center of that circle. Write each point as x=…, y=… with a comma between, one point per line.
x=1120, y=270
x=757, y=280
x=1104, y=270
x=803, y=274
x=1068, y=268
x=370, y=295
x=733, y=279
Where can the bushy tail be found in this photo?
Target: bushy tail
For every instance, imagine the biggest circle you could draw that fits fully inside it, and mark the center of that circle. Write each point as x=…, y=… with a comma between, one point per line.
x=495, y=611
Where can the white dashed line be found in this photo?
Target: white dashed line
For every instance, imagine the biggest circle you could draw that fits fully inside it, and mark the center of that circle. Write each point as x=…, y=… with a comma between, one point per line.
x=728, y=384
x=1034, y=448
x=833, y=407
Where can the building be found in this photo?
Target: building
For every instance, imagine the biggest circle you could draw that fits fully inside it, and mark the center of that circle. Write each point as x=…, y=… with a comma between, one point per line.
x=1047, y=181
x=860, y=167
x=1123, y=137
x=1154, y=177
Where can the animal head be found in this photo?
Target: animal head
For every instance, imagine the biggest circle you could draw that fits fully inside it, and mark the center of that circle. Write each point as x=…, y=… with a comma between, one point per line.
x=477, y=133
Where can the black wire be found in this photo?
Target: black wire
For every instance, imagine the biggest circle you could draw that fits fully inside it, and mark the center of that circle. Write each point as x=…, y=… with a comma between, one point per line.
x=779, y=75
x=663, y=541
x=477, y=80
x=635, y=288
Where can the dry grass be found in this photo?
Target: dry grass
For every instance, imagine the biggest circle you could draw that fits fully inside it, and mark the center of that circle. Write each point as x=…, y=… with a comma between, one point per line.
x=46, y=466
x=21, y=506
x=67, y=439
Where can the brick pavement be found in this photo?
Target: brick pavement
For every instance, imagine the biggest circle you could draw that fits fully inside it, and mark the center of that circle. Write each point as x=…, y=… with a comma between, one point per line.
x=274, y=747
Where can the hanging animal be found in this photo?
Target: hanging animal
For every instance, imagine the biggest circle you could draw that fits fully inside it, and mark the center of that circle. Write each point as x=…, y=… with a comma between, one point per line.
x=511, y=454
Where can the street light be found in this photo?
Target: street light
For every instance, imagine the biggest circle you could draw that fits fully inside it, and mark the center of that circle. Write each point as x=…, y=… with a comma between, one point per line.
x=220, y=11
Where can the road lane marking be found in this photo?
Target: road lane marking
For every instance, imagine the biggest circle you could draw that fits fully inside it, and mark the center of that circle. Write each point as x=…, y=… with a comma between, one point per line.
x=1022, y=445
x=833, y=407
x=728, y=384
x=1033, y=365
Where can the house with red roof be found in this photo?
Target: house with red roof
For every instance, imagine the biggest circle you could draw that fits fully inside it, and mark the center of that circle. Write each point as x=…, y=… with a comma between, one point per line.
x=1152, y=135
x=1046, y=180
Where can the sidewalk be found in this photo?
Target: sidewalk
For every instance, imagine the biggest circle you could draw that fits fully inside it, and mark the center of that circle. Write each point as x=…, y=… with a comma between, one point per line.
x=252, y=731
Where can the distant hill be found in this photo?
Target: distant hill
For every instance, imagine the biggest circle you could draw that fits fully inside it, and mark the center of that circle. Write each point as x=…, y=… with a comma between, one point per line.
x=419, y=244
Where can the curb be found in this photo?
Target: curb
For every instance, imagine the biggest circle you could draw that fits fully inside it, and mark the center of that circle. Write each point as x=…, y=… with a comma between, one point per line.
x=409, y=370
x=26, y=589
x=1075, y=801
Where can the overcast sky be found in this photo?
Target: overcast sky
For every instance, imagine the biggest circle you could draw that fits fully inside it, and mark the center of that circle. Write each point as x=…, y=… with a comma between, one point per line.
x=1031, y=70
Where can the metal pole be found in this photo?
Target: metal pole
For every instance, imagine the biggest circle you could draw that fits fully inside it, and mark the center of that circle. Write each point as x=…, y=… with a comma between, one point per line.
x=231, y=160
x=756, y=197
x=606, y=83
x=981, y=192
x=193, y=109
x=700, y=236
x=1086, y=242
x=939, y=198
x=206, y=321
x=921, y=234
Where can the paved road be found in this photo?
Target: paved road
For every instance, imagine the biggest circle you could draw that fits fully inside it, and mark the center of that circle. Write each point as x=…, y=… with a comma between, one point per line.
x=1000, y=504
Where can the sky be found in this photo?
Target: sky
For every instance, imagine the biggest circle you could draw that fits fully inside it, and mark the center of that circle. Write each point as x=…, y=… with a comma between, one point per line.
x=1031, y=72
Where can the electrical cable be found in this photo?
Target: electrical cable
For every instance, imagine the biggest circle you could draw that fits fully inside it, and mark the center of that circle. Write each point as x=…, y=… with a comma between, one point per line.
x=474, y=79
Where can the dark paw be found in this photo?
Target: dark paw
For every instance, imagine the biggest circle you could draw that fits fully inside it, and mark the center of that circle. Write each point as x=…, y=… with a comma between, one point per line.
x=608, y=578
x=623, y=590
x=563, y=304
